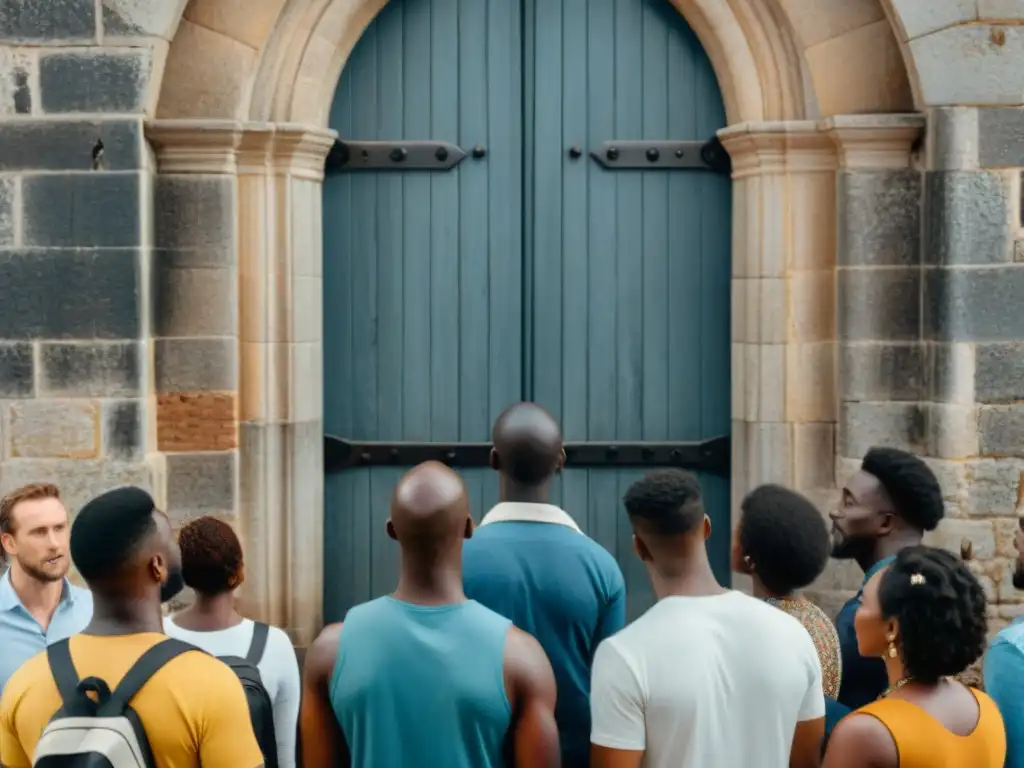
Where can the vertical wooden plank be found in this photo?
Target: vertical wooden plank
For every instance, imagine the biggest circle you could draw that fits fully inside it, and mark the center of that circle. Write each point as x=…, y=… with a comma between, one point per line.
x=339, y=544
x=384, y=551
x=444, y=227
x=629, y=213
x=601, y=272
x=474, y=268
x=656, y=216
x=574, y=253
x=363, y=224
x=473, y=278
x=361, y=588
x=390, y=233
x=544, y=250
x=715, y=196
x=504, y=196
x=684, y=395
x=416, y=381
x=505, y=211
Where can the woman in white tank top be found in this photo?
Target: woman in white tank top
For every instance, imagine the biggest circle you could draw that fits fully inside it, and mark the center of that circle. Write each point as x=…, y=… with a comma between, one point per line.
x=212, y=565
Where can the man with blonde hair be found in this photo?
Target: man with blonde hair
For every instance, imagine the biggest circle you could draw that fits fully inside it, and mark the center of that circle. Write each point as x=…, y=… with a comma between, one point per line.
x=38, y=605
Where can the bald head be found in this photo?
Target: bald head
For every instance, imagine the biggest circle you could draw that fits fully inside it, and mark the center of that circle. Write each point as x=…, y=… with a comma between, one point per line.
x=429, y=506
x=527, y=444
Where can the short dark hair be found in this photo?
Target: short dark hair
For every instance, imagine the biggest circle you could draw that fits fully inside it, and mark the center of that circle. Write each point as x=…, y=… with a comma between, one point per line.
x=940, y=607
x=911, y=485
x=785, y=537
x=211, y=556
x=108, y=531
x=666, y=502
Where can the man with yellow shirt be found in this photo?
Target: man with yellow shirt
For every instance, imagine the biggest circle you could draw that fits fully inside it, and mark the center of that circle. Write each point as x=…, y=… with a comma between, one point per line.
x=193, y=709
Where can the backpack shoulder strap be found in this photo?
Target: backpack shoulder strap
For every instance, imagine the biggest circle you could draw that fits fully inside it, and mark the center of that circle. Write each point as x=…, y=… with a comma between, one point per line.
x=63, y=670
x=260, y=633
x=141, y=671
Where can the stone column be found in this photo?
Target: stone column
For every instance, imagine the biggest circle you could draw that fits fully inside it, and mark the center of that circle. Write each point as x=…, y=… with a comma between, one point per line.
x=783, y=330
x=881, y=361
x=251, y=193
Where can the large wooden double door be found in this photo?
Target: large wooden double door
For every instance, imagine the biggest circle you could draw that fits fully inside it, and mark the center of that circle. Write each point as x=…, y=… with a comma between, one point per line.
x=527, y=206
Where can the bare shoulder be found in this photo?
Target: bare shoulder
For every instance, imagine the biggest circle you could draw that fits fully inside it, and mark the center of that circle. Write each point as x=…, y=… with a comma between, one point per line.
x=526, y=664
x=529, y=678
x=324, y=650
x=523, y=652
x=865, y=736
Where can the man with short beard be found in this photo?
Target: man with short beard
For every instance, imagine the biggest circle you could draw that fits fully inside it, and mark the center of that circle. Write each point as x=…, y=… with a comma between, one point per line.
x=1004, y=670
x=885, y=507
x=38, y=605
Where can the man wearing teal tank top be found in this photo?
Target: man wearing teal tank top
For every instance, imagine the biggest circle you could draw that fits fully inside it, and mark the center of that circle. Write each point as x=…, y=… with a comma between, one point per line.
x=425, y=676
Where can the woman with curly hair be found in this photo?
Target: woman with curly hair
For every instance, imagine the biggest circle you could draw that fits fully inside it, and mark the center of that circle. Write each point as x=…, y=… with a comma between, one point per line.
x=924, y=615
x=213, y=566
x=783, y=544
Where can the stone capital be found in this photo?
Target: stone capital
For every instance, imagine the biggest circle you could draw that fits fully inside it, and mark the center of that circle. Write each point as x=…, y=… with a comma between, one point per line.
x=233, y=147
x=874, y=142
x=195, y=146
x=791, y=146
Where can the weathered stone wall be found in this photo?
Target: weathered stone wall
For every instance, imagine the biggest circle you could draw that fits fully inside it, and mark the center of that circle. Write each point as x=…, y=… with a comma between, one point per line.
x=931, y=327
x=74, y=252
x=117, y=362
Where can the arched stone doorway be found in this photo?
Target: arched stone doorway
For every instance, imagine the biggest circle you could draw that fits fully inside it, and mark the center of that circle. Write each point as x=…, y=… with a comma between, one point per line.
x=259, y=127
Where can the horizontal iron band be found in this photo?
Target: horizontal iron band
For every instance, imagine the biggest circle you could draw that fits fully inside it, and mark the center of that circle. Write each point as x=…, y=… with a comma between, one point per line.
x=708, y=456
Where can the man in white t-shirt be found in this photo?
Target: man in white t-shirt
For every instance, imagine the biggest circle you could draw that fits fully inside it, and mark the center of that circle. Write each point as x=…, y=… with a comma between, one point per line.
x=708, y=677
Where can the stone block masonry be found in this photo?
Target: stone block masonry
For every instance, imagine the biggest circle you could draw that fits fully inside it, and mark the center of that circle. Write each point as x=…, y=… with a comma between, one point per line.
x=117, y=348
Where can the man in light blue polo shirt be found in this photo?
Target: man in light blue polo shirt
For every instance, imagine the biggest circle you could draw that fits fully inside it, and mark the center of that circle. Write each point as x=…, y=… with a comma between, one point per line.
x=38, y=605
x=1004, y=670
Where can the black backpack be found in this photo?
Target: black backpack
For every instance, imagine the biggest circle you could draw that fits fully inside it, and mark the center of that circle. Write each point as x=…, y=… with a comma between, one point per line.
x=105, y=731
x=261, y=709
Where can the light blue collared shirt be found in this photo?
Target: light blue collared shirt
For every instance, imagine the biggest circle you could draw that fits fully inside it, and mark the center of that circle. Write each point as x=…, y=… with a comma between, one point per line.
x=1004, y=682
x=21, y=636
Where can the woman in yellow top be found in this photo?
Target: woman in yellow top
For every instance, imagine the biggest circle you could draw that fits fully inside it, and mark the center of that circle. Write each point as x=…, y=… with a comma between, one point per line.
x=925, y=616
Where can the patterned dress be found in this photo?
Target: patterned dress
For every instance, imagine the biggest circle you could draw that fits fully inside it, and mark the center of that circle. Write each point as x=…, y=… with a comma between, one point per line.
x=822, y=632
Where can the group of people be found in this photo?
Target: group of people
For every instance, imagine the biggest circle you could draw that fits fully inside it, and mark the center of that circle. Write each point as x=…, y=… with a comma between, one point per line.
x=505, y=642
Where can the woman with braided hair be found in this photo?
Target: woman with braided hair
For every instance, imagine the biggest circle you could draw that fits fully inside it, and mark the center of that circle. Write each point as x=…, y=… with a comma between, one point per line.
x=924, y=615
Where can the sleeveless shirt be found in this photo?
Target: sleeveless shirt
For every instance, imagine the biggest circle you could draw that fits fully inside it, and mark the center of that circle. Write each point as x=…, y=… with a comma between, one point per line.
x=923, y=742
x=422, y=685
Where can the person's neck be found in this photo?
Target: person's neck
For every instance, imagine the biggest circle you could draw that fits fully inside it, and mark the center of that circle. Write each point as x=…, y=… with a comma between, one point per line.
x=124, y=616
x=512, y=491
x=40, y=598
x=210, y=613
x=894, y=670
x=436, y=584
x=691, y=579
x=888, y=546
x=763, y=593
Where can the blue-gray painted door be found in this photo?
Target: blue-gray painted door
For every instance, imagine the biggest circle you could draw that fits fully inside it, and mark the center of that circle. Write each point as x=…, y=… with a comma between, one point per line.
x=525, y=274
